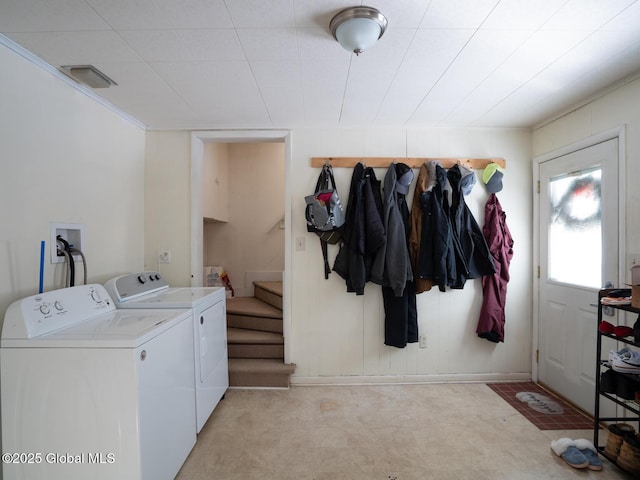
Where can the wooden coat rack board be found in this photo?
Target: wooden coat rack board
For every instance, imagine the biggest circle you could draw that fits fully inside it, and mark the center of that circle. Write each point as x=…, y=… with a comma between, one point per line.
x=337, y=162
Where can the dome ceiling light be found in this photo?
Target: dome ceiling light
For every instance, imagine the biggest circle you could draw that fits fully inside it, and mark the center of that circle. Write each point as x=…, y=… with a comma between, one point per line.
x=358, y=28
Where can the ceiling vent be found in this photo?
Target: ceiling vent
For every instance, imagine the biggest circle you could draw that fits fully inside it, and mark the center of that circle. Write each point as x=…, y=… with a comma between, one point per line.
x=89, y=75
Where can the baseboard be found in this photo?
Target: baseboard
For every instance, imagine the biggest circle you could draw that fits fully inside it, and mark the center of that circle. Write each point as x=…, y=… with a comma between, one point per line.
x=257, y=388
x=411, y=379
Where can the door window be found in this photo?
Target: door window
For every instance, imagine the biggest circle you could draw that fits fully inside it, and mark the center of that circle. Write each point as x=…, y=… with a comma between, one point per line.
x=575, y=229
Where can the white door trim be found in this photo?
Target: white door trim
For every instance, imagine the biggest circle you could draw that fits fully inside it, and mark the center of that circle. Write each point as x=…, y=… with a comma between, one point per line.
x=618, y=133
x=198, y=139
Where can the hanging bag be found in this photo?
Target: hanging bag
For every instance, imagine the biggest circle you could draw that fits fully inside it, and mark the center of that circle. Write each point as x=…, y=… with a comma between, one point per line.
x=324, y=213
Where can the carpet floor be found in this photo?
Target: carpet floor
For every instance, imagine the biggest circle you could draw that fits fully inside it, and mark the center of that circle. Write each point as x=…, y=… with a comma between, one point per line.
x=378, y=432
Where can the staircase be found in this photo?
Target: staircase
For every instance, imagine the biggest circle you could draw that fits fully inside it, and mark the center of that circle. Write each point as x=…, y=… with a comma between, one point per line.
x=254, y=339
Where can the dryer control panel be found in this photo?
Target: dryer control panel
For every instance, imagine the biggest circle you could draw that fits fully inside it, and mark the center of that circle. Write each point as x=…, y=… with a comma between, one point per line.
x=52, y=311
x=128, y=287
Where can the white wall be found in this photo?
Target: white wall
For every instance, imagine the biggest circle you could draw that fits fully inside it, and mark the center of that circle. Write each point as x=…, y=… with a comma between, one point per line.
x=215, y=182
x=64, y=158
x=617, y=108
x=167, y=203
x=338, y=336
x=252, y=240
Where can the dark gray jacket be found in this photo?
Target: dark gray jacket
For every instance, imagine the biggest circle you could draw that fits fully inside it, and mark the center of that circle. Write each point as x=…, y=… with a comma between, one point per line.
x=392, y=265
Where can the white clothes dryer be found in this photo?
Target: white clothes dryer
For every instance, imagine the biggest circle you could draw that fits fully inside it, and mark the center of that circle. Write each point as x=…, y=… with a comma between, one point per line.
x=209, y=313
x=89, y=391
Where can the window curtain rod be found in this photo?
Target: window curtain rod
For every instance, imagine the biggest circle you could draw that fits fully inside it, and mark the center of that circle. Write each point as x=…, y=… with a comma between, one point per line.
x=338, y=162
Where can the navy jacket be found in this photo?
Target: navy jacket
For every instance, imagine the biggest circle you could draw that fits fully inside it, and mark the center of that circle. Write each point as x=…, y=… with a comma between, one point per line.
x=452, y=246
x=436, y=259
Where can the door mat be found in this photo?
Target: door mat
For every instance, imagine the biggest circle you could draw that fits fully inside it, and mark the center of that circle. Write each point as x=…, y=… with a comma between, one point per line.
x=542, y=408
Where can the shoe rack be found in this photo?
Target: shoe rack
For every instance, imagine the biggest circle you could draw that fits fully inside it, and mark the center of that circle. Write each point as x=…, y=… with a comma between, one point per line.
x=630, y=409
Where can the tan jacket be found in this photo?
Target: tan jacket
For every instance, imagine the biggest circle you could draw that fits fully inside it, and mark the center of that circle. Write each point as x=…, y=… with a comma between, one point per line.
x=415, y=220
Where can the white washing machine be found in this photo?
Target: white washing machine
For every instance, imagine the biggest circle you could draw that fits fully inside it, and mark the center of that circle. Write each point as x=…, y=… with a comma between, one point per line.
x=209, y=311
x=89, y=391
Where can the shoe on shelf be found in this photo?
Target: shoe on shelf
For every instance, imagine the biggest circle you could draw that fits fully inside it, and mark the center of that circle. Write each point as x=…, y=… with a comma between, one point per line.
x=609, y=381
x=629, y=457
x=628, y=362
x=623, y=331
x=626, y=388
x=613, y=355
x=605, y=327
x=617, y=433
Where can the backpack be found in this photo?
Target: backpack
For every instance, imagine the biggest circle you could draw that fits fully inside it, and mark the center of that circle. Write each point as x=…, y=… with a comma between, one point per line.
x=324, y=213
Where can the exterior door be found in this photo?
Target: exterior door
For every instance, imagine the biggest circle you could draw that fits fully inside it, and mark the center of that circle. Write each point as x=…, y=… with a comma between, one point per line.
x=578, y=255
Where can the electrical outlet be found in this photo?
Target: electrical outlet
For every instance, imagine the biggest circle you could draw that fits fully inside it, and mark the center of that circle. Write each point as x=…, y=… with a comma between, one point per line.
x=423, y=341
x=164, y=256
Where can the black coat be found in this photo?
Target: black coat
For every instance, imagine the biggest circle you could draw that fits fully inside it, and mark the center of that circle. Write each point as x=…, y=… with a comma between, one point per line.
x=452, y=246
x=437, y=259
x=476, y=258
x=363, y=231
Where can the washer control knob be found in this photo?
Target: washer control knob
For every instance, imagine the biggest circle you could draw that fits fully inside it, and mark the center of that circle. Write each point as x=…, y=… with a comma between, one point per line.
x=157, y=276
x=95, y=295
x=141, y=279
x=44, y=309
x=58, y=305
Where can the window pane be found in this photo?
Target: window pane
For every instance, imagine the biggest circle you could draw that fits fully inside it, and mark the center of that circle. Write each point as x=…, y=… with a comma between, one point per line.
x=575, y=230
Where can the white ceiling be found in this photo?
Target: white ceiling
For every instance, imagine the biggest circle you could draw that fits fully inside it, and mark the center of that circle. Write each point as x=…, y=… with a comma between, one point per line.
x=274, y=64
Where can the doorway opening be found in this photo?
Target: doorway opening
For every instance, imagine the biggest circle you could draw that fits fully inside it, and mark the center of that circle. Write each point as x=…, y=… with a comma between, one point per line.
x=215, y=231
x=243, y=213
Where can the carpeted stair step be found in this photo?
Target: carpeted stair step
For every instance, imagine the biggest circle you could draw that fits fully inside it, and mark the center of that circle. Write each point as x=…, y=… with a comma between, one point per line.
x=254, y=339
x=269, y=292
x=250, y=313
x=242, y=343
x=262, y=372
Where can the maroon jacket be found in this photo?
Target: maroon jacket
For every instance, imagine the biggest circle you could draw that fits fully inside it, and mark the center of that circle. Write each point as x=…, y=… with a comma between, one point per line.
x=494, y=287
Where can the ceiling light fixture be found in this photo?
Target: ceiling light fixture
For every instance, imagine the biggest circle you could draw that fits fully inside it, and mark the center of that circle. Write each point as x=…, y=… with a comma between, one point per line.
x=358, y=28
x=89, y=75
